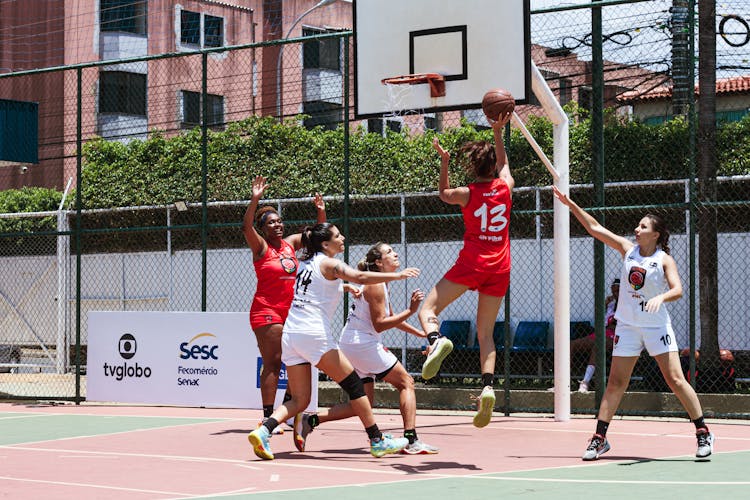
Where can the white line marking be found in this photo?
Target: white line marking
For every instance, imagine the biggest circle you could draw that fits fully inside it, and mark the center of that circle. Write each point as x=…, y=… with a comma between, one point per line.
x=274, y=478
x=63, y=483
x=245, y=466
x=613, y=481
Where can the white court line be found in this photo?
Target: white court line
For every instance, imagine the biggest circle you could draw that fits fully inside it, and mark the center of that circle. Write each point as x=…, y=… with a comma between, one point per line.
x=145, y=429
x=270, y=463
x=617, y=481
x=98, y=486
x=26, y=415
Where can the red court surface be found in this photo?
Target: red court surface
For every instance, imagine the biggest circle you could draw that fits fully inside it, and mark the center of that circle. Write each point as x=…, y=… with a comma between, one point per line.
x=113, y=452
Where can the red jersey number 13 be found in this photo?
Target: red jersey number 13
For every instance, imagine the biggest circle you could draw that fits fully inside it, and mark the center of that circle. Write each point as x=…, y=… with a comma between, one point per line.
x=498, y=221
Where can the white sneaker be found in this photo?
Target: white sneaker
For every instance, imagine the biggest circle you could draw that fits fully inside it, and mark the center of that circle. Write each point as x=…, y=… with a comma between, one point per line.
x=583, y=387
x=486, y=404
x=705, y=443
x=419, y=448
x=438, y=352
x=598, y=446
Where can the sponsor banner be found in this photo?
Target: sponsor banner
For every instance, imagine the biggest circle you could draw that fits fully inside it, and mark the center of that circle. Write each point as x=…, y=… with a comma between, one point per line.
x=177, y=358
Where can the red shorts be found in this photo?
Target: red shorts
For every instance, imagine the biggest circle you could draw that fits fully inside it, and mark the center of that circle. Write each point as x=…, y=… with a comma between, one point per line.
x=495, y=284
x=266, y=316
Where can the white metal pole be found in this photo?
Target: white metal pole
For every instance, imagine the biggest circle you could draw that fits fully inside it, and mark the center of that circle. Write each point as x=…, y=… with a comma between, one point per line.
x=560, y=134
x=63, y=253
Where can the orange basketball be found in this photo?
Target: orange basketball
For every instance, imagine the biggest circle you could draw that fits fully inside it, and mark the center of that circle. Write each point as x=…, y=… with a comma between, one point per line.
x=497, y=101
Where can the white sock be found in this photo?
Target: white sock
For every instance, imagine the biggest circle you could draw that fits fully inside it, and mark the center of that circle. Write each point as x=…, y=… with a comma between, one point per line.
x=589, y=373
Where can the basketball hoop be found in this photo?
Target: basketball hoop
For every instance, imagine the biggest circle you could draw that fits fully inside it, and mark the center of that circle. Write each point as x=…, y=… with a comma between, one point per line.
x=436, y=82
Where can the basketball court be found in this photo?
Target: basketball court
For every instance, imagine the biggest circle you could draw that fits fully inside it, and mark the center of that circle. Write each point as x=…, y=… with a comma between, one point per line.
x=98, y=451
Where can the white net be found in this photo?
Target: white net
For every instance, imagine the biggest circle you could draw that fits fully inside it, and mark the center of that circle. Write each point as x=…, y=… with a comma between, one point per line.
x=398, y=97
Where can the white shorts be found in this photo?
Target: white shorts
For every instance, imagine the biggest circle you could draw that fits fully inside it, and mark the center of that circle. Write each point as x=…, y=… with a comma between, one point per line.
x=369, y=359
x=630, y=340
x=305, y=347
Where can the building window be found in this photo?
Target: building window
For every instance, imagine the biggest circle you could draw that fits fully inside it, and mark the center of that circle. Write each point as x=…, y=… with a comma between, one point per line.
x=201, y=30
x=123, y=93
x=585, y=98
x=566, y=91
x=321, y=54
x=190, y=28
x=323, y=114
x=128, y=16
x=192, y=108
x=548, y=75
x=375, y=126
x=393, y=125
x=213, y=31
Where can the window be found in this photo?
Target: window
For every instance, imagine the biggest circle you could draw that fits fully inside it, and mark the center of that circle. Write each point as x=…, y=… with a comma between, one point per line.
x=190, y=27
x=375, y=126
x=213, y=31
x=191, y=33
x=566, y=91
x=393, y=125
x=585, y=97
x=548, y=75
x=321, y=54
x=128, y=16
x=122, y=92
x=324, y=114
x=191, y=109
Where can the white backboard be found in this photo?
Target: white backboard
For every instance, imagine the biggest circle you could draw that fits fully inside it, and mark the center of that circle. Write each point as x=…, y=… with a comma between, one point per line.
x=477, y=45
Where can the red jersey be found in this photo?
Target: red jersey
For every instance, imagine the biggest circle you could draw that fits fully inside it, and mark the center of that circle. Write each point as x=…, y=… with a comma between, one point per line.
x=276, y=272
x=487, y=222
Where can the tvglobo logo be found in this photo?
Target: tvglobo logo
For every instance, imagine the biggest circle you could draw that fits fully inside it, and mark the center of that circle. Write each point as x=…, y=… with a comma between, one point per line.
x=205, y=349
x=127, y=347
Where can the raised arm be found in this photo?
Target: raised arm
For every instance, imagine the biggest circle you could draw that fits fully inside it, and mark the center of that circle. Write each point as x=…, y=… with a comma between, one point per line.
x=503, y=168
x=452, y=196
x=592, y=225
x=254, y=240
x=335, y=269
x=381, y=312
x=296, y=239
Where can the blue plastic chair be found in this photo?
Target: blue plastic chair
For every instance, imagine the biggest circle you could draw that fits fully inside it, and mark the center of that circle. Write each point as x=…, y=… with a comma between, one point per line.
x=457, y=331
x=531, y=336
x=498, y=335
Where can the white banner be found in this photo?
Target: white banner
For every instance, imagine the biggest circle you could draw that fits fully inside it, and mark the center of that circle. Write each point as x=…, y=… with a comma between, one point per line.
x=177, y=358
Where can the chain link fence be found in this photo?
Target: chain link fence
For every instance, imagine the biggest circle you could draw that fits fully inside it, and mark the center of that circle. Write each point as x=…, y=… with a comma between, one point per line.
x=176, y=243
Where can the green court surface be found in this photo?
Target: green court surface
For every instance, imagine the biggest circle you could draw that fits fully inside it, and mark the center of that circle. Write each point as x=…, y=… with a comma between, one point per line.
x=662, y=479
x=16, y=428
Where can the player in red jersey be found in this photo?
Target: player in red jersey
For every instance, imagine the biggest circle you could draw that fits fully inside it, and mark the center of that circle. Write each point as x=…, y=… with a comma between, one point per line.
x=484, y=262
x=275, y=261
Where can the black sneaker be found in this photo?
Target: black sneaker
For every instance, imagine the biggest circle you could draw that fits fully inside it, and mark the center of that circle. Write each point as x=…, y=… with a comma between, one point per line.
x=705, y=443
x=598, y=446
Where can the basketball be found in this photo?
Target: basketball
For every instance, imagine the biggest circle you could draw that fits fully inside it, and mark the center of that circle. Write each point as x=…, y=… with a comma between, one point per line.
x=497, y=101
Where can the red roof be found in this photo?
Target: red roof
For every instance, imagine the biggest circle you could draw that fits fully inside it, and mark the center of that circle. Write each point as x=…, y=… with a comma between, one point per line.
x=735, y=84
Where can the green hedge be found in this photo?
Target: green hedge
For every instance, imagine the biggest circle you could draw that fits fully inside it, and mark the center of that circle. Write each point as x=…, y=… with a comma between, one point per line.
x=300, y=162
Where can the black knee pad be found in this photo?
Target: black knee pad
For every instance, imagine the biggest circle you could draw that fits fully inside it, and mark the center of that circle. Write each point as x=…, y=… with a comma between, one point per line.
x=353, y=386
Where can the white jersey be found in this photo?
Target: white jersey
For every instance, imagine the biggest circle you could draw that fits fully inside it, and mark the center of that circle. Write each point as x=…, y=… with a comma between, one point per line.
x=642, y=279
x=315, y=298
x=359, y=327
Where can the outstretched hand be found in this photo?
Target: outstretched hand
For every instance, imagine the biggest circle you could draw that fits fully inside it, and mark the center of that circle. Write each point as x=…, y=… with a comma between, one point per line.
x=444, y=155
x=318, y=201
x=409, y=272
x=561, y=196
x=259, y=186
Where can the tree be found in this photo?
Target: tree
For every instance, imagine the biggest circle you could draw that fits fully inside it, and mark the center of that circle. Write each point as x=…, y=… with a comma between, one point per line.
x=707, y=193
